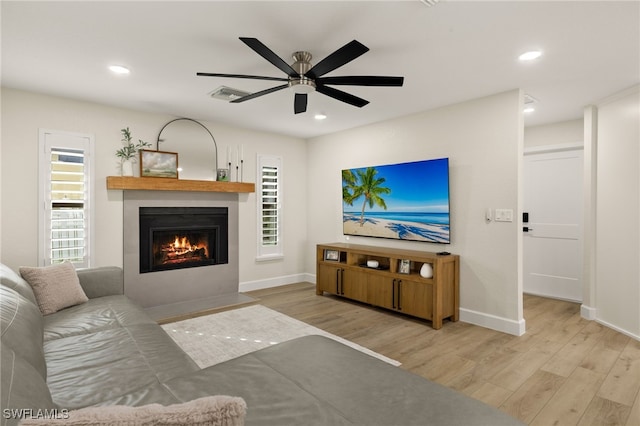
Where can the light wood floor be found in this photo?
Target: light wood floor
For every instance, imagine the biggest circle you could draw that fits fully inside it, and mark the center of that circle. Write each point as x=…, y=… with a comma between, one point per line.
x=564, y=371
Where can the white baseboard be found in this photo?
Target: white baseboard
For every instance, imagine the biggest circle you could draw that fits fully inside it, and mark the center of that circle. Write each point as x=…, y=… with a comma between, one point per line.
x=516, y=328
x=591, y=314
x=276, y=282
x=619, y=330
x=587, y=312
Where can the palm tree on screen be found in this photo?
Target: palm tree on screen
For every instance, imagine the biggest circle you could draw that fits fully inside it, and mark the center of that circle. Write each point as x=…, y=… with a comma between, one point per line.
x=370, y=187
x=349, y=182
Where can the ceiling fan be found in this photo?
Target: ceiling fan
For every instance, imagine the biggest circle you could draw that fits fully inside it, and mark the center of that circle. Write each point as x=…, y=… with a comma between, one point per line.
x=304, y=78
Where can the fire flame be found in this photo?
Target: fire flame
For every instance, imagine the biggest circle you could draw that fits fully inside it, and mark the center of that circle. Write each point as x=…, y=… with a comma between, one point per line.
x=182, y=245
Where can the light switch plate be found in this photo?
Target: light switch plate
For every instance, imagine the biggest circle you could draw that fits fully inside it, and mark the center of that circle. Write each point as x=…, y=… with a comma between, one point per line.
x=503, y=215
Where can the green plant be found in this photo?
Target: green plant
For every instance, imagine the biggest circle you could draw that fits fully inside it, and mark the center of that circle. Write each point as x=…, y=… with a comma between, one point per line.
x=129, y=150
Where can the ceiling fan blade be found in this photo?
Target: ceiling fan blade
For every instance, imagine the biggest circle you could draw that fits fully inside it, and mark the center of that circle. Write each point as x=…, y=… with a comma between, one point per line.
x=300, y=103
x=258, y=94
x=268, y=54
x=342, y=96
x=253, y=77
x=363, y=80
x=345, y=54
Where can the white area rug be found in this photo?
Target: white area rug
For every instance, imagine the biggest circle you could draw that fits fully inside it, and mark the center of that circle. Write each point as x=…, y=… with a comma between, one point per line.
x=216, y=338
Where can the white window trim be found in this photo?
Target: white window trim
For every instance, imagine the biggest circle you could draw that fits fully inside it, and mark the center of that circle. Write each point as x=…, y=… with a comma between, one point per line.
x=276, y=252
x=44, y=147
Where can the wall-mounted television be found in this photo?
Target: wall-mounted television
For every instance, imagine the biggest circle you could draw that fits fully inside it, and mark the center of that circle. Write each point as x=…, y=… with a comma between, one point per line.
x=406, y=201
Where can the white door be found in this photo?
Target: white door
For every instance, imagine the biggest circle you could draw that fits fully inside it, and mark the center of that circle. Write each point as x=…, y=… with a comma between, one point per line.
x=553, y=234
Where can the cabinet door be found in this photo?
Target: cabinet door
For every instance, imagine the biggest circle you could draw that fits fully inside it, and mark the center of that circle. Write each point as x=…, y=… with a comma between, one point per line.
x=381, y=291
x=328, y=278
x=415, y=298
x=354, y=285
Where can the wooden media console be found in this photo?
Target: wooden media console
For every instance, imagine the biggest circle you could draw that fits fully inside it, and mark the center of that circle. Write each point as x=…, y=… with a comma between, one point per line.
x=342, y=269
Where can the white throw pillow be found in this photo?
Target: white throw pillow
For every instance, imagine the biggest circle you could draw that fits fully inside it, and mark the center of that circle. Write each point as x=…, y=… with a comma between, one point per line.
x=55, y=287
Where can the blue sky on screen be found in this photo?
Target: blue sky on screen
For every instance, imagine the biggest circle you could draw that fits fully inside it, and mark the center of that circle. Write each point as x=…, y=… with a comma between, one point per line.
x=421, y=186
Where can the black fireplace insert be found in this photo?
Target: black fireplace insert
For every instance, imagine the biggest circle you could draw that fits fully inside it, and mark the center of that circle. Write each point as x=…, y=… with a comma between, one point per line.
x=183, y=237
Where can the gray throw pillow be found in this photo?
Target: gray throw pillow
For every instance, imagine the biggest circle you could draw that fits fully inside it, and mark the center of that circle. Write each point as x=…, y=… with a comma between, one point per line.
x=55, y=287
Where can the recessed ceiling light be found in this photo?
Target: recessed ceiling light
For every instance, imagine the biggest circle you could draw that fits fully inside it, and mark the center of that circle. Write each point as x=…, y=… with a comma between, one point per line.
x=528, y=110
x=530, y=56
x=119, y=69
x=320, y=116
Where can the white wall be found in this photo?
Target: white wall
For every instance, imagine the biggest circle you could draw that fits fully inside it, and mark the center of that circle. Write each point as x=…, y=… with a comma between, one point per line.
x=561, y=133
x=23, y=113
x=483, y=140
x=617, y=287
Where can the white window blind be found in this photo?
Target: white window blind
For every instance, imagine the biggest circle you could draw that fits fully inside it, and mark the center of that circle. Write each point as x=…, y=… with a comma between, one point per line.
x=270, y=207
x=65, y=194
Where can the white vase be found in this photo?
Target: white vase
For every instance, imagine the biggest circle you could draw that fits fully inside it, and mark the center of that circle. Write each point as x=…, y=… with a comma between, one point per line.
x=127, y=168
x=426, y=271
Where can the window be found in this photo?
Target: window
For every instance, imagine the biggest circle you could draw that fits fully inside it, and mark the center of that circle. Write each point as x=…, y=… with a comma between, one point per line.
x=269, y=207
x=65, y=196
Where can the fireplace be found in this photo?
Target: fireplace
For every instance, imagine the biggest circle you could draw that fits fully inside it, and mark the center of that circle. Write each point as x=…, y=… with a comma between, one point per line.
x=182, y=237
x=167, y=293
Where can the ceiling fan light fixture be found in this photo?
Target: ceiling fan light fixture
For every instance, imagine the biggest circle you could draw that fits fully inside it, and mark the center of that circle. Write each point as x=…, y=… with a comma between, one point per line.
x=302, y=85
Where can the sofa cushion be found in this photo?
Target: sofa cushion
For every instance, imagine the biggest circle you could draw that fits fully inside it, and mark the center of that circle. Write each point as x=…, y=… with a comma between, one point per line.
x=23, y=387
x=56, y=287
x=21, y=328
x=105, y=350
x=95, y=315
x=102, y=281
x=215, y=410
x=90, y=369
x=9, y=278
x=108, y=351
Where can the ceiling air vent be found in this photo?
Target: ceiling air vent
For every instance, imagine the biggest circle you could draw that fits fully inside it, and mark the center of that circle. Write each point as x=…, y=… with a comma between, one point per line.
x=227, y=93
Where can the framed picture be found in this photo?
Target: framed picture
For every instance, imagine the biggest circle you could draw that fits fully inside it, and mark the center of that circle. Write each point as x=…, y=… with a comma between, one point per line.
x=405, y=266
x=333, y=255
x=160, y=164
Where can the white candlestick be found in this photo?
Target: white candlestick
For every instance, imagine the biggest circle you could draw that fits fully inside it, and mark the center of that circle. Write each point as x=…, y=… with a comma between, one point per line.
x=241, y=152
x=228, y=155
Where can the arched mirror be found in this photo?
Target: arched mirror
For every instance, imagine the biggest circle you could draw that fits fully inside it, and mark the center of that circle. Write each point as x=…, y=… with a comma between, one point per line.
x=195, y=145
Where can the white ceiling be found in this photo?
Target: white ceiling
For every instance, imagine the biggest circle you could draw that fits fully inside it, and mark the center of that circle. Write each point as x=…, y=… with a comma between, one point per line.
x=449, y=53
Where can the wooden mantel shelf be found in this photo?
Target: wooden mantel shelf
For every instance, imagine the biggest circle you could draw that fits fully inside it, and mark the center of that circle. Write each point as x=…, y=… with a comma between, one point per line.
x=164, y=184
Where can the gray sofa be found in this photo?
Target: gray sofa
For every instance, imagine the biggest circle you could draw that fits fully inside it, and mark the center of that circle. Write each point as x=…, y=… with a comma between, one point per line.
x=107, y=351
